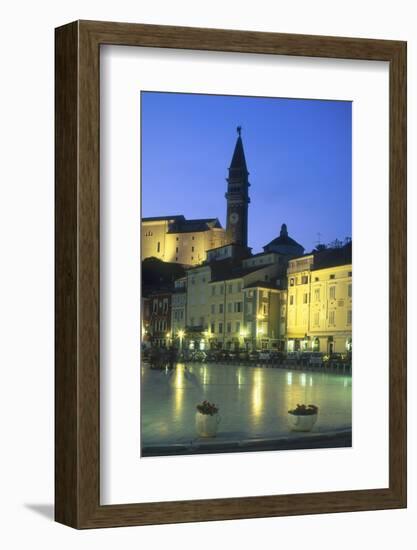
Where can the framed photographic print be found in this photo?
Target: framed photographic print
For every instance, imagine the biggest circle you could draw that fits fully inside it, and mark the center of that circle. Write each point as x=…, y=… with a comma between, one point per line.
x=230, y=274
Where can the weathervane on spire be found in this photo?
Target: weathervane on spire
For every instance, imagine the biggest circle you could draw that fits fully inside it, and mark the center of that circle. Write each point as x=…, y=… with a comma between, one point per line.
x=239, y=130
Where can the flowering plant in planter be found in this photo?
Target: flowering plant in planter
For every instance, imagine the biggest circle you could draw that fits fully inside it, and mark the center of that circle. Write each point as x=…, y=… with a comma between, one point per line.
x=207, y=408
x=303, y=417
x=304, y=410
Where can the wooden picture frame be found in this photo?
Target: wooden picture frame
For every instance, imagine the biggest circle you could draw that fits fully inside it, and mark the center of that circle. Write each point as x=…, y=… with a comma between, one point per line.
x=77, y=405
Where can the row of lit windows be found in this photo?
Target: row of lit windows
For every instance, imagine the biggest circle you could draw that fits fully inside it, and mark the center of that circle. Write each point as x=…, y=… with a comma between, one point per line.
x=332, y=318
x=304, y=279
x=228, y=327
x=232, y=307
x=332, y=295
x=178, y=315
x=160, y=326
x=163, y=304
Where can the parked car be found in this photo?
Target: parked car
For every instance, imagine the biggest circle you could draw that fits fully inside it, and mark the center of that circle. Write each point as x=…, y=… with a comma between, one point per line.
x=292, y=358
x=277, y=357
x=232, y=355
x=213, y=355
x=199, y=356
x=305, y=357
x=265, y=355
x=316, y=359
x=253, y=355
x=243, y=355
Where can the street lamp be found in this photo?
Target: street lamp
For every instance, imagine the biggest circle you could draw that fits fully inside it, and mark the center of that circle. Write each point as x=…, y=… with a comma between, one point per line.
x=181, y=334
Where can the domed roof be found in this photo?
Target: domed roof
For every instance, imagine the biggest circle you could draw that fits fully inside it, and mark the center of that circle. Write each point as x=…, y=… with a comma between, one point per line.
x=285, y=242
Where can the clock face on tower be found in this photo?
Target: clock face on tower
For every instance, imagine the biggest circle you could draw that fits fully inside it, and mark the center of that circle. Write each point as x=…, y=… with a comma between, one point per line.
x=234, y=217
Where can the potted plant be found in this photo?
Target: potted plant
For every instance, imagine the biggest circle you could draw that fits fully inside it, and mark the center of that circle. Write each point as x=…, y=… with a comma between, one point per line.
x=207, y=419
x=303, y=417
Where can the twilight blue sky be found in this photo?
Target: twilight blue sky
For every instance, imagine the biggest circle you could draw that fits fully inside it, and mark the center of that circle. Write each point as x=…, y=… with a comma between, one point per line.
x=298, y=152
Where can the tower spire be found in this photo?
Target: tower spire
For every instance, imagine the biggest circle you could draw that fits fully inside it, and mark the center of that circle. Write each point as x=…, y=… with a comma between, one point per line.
x=237, y=195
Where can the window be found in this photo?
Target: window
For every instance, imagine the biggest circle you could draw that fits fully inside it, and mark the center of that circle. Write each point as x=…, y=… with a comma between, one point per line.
x=229, y=307
x=265, y=309
x=220, y=328
x=192, y=257
x=165, y=305
x=350, y=291
x=220, y=308
x=249, y=308
x=192, y=249
x=331, y=317
x=176, y=250
x=213, y=309
x=229, y=327
x=155, y=306
x=239, y=287
x=266, y=277
x=316, y=294
x=349, y=317
x=192, y=238
x=291, y=300
x=238, y=307
x=292, y=282
x=304, y=279
x=332, y=277
x=177, y=238
x=332, y=293
x=237, y=326
x=305, y=298
x=158, y=247
x=316, y=279
x=316, y=319
x=176, y=259
x=212, y=328
x=230, y=288
x=213, y=290
x=349, y=274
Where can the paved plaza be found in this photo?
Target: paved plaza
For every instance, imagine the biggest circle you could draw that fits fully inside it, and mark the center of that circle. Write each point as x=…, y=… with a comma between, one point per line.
x=253, y=404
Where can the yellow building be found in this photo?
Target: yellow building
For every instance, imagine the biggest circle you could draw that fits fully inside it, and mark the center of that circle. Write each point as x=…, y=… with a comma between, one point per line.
x=331, y=309
x=319, y=302
x=298, y=302
x=175, y=239
x=236, y=303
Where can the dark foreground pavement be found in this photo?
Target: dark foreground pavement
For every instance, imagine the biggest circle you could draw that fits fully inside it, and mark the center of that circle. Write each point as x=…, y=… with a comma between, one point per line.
x=207, y=446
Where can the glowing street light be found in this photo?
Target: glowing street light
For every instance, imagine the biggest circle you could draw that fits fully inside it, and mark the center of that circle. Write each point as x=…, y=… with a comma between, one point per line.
x=181, y=335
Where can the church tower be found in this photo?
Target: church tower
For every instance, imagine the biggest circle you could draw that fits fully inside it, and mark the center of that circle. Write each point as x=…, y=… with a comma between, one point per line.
x=237, y=196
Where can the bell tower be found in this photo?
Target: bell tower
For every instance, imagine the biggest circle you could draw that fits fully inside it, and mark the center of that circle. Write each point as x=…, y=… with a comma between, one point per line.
x=237, y=196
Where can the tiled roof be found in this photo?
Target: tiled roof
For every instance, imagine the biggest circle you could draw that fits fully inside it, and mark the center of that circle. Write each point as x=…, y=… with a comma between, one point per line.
x=332, y=257
x=162, y=218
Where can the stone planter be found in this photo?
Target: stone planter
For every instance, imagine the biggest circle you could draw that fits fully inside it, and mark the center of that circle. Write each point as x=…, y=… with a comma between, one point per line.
x=302, y=422
x=207, y=424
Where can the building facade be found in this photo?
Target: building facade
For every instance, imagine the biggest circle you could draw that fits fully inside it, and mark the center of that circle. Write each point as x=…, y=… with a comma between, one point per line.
x=175, y=239
x=159, y=327
x=319, y=301
x=179, y=308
